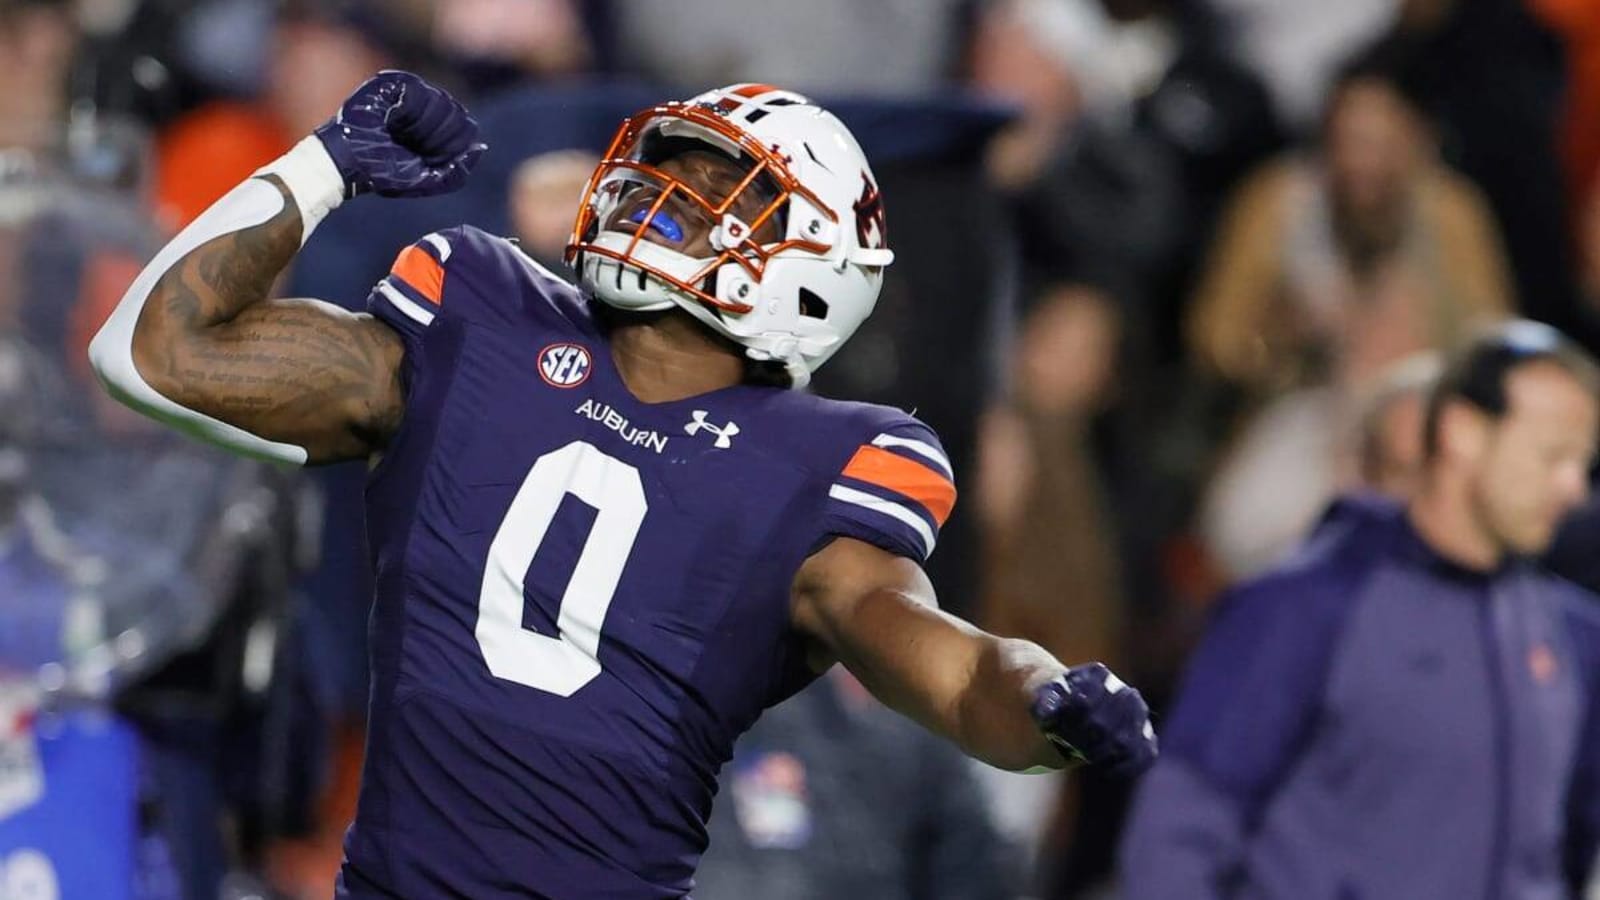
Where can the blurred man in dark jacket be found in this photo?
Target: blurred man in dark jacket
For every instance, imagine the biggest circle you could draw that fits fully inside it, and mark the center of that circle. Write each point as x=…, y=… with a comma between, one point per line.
x=831, y=796
x=1409, y=707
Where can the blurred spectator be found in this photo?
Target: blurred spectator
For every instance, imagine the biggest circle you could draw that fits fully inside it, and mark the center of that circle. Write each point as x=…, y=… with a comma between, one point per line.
x=70, y=92
x=1149, y=74
x=1330, y=267
x=544, y=192
x=317, y=56
x=1216, y=117
x=823, y=46
x=496, y=43
x=1132, y=127
x=1327, y=270
x=1273, y=481
x=1297, y=46
x=1052, y=573
x=831, y=795
x=1039, y=55
x=1302, y=450
x=1076, y=70
x=1151, y=66
x=1410, y=707
x=37, y=38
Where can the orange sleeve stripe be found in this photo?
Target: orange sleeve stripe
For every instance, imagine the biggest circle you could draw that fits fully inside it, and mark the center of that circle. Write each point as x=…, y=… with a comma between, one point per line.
x=908, y=478
x=418, y=269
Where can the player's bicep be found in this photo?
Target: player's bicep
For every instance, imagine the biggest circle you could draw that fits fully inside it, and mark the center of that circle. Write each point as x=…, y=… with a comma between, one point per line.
x=876, y=613
x=300, y=372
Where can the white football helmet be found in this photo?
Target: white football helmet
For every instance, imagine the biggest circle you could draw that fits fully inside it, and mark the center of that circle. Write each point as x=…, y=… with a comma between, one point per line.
x=796, y=299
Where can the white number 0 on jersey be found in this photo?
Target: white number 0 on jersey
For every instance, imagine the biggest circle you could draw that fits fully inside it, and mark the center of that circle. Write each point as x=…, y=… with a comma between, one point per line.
x=570, y=660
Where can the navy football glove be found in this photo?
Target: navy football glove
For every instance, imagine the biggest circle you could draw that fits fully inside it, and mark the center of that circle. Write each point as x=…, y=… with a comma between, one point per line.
x=1092, y=717
x=399, y=136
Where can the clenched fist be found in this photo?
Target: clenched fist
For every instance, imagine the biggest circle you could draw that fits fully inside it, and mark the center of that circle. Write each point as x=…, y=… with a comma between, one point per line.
x=399, y=136
x=1093, y=717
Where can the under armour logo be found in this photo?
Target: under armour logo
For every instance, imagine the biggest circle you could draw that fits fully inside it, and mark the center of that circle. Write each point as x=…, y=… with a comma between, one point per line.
x=724, y=433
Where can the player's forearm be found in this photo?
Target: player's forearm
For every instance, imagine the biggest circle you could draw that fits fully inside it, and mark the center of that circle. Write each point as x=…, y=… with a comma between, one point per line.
x=970, y=686
x=219, y=279
x=992, y=720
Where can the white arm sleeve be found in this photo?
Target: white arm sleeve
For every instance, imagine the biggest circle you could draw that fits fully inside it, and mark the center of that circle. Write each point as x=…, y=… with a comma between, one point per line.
x=315, y=184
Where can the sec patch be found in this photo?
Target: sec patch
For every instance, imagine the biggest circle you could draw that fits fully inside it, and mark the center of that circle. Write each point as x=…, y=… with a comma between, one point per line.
x=565, y=365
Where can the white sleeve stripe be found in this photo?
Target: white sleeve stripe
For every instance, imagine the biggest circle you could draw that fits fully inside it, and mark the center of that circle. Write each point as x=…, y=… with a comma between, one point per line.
x=111, y=352
x=888, y=508
x=439, y=244
x=921, y=448
x=408, y=307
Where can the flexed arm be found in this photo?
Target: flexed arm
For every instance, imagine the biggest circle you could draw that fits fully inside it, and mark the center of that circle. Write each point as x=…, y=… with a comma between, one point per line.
x=197, y=343
x=292, y=380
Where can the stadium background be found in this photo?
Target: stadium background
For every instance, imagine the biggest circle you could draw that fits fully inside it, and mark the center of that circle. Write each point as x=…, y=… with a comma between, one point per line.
x=1151, y=263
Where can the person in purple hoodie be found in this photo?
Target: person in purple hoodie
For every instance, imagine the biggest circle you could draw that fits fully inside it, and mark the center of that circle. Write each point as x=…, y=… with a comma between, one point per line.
x=1408, y=707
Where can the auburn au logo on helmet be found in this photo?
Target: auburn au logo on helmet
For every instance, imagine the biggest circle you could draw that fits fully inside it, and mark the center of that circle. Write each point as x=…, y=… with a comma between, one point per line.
x=872, y=226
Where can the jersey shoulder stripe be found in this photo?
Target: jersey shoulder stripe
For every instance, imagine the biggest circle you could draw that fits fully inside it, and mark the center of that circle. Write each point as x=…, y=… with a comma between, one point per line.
x=881, y=506
x=419, y=270
x=396, y=295
x=927, y=451
x=412, y=293
x=894, y=488
x=912, y=479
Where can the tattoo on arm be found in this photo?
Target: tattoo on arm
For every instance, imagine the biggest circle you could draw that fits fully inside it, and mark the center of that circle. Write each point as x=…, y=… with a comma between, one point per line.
x=297, y=371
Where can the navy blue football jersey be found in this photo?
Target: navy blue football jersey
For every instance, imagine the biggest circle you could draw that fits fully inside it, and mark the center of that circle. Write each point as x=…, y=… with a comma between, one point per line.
x=583, y=599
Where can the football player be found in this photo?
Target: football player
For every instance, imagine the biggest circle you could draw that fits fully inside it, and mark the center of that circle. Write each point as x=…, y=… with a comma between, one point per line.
x=607, y=530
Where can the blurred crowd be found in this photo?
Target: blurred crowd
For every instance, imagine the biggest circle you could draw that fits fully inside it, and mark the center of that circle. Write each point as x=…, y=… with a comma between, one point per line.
x=1187, y=282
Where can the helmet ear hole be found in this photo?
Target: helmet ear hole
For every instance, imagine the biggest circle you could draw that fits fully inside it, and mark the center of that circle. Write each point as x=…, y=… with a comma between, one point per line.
x=812, y=305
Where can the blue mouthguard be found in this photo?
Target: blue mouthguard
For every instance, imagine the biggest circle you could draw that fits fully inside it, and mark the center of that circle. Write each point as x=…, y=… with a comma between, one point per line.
x=662, y=222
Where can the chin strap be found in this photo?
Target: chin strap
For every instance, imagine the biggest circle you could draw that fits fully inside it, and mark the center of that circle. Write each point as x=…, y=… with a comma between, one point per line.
x=786, y=351
x=799, y=375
